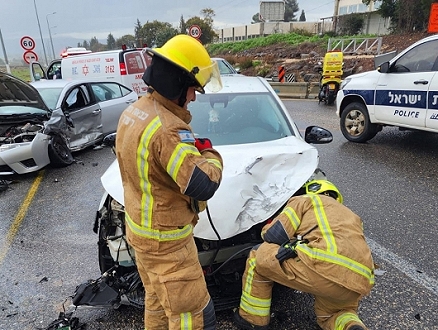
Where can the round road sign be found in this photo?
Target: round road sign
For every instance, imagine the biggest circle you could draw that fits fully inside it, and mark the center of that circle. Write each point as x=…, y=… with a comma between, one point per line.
x=30, y=56
x=27, y=43
x=195, y=31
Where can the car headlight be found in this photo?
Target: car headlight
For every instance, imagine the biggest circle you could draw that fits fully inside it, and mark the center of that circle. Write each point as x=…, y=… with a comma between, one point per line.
x=345, y=82
x=5, y=147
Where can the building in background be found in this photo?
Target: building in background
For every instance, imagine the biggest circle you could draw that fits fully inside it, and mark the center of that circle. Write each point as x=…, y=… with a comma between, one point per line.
x=373, y=22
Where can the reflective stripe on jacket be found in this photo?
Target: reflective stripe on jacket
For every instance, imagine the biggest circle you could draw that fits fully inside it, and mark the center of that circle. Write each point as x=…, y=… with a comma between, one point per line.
x=161, y=171
x=336, y=247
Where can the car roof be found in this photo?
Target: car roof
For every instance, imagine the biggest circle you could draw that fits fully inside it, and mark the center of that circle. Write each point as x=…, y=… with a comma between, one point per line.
x=61, y=83
x=14, y=91
x=243, y=84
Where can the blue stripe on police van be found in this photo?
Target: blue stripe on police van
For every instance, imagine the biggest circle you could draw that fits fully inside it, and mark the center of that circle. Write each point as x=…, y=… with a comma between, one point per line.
x=367, y=95
x=402, y=98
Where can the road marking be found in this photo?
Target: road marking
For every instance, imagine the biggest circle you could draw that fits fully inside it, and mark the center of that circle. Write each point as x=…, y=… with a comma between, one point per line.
x=405, y=267
x=12, y=232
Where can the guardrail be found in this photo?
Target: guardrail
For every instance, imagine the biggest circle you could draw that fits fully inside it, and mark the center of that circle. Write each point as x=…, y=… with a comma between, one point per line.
x=297, y=90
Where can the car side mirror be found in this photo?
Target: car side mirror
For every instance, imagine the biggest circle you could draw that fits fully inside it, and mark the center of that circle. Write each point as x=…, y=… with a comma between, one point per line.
x=384, y=67
x=317, y=135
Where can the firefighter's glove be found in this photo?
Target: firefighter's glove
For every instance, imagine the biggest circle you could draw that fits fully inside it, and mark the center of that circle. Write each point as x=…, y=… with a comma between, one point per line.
x=203, y=143
x=287, y=251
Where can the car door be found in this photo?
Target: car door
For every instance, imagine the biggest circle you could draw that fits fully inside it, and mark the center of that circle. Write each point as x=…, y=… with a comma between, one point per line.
x=113, y=99
x=432, y=103
x=402, y=93
x=86, y=116
x=53, y=71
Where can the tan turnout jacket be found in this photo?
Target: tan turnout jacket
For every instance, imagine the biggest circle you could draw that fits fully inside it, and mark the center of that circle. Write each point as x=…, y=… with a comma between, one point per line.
x=336, y=247
x=161, y=172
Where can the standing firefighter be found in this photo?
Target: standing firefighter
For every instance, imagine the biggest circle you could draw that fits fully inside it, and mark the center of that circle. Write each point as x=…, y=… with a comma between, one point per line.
x=167, y=176
x=314, y=245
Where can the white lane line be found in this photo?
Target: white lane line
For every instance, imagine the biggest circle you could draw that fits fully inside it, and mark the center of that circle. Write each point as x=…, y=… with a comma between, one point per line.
x=405, y=267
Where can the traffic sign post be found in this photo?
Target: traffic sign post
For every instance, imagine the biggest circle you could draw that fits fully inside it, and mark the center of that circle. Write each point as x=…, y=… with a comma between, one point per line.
x=27, y=43
x=30, y=56
x=195, y=31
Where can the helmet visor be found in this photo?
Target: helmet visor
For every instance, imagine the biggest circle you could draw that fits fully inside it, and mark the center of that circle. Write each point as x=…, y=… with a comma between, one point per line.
x=211, y=76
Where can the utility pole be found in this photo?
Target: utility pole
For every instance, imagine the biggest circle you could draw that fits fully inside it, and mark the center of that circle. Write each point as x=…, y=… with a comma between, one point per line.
x=50, y=33
x=336, y=15
x=8, y=69
x=41, y=35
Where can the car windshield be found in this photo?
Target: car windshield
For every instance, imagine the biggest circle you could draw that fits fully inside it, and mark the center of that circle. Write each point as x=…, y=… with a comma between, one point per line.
x=18, y=110
x=50, y=95
x=238, y=118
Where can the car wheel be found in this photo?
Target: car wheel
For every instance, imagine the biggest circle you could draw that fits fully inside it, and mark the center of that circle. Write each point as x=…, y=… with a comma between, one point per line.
x=355, y=123
x=59, y=153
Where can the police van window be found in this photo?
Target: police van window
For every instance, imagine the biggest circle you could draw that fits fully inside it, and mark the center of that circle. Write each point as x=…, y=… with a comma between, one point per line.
x=419, y=59
x=134, y=63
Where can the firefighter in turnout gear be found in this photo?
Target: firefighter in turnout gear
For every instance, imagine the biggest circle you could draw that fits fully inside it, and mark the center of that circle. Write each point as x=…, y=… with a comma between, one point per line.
x=315, y=245
x=168, y=175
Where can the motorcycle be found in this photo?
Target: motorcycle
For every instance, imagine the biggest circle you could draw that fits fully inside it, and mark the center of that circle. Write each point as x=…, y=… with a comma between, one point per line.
x=223, y=250
x=331, y=77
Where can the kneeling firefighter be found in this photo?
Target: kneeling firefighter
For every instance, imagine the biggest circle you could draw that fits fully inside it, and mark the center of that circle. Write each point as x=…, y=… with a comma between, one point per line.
x=315, y=245
x=167, y=176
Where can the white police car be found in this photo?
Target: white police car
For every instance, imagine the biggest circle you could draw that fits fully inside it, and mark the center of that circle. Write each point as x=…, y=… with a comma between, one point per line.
x=402, y=92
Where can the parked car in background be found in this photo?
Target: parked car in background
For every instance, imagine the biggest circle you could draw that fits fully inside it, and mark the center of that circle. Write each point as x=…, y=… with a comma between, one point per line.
x=225, y=67
x=96, y=104
x=45, y=123
x=402, y=92
x=125, y=66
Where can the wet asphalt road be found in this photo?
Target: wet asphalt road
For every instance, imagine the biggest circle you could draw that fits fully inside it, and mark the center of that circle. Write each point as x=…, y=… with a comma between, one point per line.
x=48, y=246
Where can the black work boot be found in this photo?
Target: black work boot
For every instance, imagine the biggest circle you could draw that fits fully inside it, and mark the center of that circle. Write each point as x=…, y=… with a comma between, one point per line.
x=244, y=324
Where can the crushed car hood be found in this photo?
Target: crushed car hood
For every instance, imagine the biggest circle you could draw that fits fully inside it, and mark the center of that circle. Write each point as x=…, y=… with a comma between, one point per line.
x=257, y=180
x=14, y=91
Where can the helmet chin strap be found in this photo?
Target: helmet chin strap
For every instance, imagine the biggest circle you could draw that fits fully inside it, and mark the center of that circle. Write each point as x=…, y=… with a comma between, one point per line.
x=183, y=97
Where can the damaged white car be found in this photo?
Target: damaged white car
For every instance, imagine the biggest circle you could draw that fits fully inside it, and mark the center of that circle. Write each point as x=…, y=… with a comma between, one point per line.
x=266, y=160
x=33, y=136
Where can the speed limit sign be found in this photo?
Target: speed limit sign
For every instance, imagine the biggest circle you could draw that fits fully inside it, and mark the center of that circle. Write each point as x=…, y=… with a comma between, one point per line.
x=27, y=43
x=195, y=31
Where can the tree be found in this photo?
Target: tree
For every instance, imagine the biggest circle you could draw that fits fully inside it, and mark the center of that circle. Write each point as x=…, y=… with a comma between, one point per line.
x=128, y=39
x=96, y=46
x=256, y=18
x=290, y=8
x=351, y=24
x=207, y=31
x=302, y=16
x=110, y=42
x=405, y=15
x=151, y=31
x=137, y=32
x=182, y=25
x=165, y=34
x=208, y=14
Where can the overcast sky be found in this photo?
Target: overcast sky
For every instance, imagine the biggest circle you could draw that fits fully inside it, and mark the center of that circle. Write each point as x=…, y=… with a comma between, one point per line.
x=85, y=19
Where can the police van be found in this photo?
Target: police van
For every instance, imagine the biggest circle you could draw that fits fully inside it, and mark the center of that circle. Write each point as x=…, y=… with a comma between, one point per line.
x=125, y=66
x=401, y=92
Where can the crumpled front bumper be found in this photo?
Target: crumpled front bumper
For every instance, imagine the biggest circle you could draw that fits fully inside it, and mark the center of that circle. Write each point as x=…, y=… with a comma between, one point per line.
x=25, y=157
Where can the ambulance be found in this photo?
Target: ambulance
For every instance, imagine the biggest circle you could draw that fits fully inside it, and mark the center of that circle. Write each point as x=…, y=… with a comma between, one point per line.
x=125, y=66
